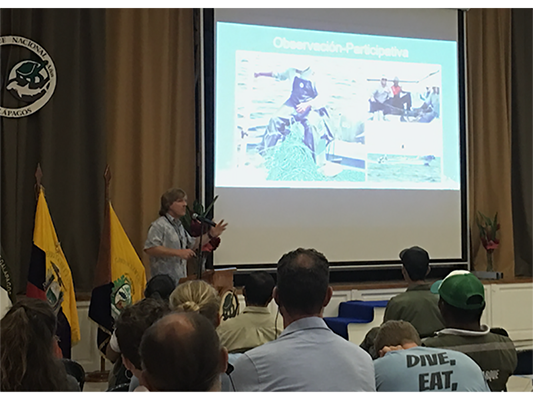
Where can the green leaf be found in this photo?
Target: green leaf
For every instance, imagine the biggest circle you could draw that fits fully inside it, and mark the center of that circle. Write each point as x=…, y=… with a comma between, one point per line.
x=198, y=208
x=488, y=221
x=210, y=205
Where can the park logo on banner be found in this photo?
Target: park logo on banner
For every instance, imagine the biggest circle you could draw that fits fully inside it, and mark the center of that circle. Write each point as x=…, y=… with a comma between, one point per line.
x=31, y=79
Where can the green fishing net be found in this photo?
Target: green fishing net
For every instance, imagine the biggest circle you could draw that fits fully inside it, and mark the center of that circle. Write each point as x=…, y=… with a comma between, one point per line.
x=292, y=160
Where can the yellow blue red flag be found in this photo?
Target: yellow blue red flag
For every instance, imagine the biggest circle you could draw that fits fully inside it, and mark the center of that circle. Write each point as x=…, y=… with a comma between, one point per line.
x=49, y=276
x=120, y=277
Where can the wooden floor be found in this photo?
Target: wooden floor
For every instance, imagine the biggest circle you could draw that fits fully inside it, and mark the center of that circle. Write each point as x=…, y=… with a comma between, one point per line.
x=515, y=384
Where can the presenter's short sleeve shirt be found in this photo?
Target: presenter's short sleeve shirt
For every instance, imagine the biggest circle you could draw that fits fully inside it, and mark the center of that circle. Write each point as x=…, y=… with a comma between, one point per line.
x=168, y=232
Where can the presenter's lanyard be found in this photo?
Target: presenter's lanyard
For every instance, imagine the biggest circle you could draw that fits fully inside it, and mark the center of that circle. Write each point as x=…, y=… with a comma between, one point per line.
x=177, y=231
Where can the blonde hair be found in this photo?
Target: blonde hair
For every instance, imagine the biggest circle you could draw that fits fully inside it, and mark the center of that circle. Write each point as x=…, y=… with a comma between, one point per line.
x=197, y=296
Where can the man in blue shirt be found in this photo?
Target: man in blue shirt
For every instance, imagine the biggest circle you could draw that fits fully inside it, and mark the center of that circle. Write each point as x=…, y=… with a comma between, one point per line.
x=307, y=356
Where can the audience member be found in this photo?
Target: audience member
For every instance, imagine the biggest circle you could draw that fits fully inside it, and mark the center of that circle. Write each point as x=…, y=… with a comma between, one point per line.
x=200, y=297
x=130, y=327
x=307, y=356
x=30, y=354
x=181, y=352
x=197, y=296
x=417, y=304
x=160, y=287
x=461, y=303
x=368, y=342
x=256, y=325
x=405, y=366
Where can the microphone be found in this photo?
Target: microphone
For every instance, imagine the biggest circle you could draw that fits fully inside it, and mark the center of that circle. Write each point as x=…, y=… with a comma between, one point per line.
x=202, y=219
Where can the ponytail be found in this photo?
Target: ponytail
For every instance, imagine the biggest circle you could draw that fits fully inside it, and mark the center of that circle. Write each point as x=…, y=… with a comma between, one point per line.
x=28, y=361
x=14, y=348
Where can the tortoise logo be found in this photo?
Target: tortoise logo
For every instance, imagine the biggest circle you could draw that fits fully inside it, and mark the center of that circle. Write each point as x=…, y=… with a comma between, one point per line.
x=53, y=287
x=120, y=296
x=31, y=80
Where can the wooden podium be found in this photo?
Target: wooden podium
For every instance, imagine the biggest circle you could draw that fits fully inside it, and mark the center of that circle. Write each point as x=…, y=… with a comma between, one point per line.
x=220, y=279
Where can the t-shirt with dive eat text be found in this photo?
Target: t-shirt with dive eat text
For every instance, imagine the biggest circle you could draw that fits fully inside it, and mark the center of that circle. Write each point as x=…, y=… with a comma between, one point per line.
x=421, y=369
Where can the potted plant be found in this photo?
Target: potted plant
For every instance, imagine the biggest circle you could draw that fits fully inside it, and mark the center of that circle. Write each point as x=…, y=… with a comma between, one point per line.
x=488, y=233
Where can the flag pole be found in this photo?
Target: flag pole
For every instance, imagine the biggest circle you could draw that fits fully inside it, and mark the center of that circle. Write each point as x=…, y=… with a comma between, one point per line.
x=38, y=179
x=107, y=180
x=102, y=375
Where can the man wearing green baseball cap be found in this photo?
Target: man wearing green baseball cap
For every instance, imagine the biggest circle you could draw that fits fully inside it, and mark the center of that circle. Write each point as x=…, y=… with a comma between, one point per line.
x=461, y=303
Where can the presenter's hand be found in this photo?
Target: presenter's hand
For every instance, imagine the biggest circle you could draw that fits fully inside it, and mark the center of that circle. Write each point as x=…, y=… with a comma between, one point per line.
x=185, y=253
x=302, y=107
x=217, y=230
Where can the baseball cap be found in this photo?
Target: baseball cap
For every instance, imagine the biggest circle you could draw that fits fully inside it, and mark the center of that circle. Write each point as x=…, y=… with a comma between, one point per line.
x=415, y=256
x=461, y=289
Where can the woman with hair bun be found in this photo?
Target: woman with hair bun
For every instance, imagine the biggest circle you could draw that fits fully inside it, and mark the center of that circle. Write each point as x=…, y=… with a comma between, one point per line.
x=200, y=297
x=30, y=355
x=197, y=296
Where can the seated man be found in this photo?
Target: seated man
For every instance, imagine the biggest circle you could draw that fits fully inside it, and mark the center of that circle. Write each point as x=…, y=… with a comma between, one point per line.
x=158, y=287
x=381, y=98
x=307, y=356
x=461, y=303
x=181, y=352
x=131, y=324
x=431, y=107
x=405, y=366
x=417, y=305
x=304, y=106
x=401, y=101
x=256, y=325
x=368, y=342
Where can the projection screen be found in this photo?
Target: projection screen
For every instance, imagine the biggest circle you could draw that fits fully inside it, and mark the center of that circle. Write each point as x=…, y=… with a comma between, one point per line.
x=341, y=130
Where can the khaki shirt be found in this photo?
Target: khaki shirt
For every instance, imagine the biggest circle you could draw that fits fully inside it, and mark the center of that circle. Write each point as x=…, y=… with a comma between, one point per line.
x=254, y=327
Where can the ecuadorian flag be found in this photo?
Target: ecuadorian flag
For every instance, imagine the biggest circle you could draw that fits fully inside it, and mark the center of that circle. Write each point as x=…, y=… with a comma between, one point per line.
x=50, y=279
x=120, y=277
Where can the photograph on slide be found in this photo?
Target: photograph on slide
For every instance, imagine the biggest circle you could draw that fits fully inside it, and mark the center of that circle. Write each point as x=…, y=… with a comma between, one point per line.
x=334, y=122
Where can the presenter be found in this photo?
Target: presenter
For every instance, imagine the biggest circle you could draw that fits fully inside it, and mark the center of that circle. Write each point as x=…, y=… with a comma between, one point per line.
x=168, y=244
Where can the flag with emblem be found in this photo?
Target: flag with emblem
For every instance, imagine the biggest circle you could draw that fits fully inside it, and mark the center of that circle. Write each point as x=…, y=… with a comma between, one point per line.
x=7, y=282
x=120, y=276
x=49, y=276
